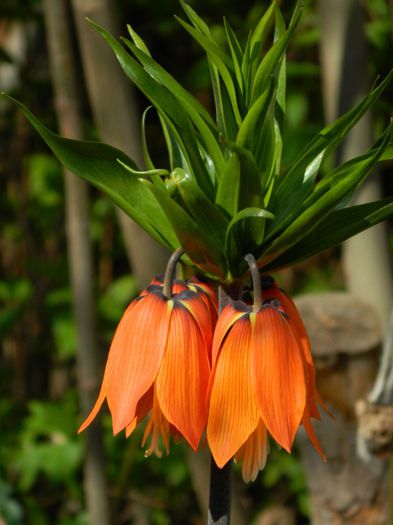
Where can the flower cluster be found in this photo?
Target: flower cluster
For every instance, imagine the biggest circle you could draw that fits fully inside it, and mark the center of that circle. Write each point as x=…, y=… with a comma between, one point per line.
x=240, y=376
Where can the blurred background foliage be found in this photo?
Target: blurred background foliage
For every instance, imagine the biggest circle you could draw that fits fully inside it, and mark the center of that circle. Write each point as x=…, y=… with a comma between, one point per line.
x=40, y=453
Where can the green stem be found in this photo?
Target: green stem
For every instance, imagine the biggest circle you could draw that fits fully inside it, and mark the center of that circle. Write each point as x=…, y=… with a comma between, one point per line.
x=170, y=272
x=256, y=281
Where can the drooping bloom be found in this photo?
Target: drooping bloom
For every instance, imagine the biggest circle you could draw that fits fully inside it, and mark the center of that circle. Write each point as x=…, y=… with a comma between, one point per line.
x=262, y=382
x=159, y=362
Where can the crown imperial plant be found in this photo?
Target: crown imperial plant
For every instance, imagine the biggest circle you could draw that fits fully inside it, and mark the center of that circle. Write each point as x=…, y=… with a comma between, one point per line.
x=231, y=210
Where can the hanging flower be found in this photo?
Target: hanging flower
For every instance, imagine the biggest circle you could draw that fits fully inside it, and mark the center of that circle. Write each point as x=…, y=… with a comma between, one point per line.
x=262, y=381
x=159, y=362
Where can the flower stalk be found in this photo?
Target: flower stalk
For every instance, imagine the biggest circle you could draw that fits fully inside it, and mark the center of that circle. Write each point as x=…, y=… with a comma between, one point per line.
x=220, y=494
x=256, y=281
x=170, y=272
x=219, y=512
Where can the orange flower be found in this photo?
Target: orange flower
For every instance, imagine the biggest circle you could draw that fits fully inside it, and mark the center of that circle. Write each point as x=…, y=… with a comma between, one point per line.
x=262, y=383
x=159, y=362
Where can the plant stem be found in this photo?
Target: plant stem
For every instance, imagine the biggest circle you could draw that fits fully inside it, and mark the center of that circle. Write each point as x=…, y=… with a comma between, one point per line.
x=220, y=494
x=220, y=478
x=256, y=281
x=170, y=272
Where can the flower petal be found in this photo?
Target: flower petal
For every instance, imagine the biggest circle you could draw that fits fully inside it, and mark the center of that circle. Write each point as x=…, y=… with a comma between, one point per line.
x=233, y=413
x=254, y=453
x=157, y=428
x=135, y=356
x=103, y=390
x=278, y=375
x=199, y=310
x=311, y=434
x=227, y=318
x=94, y=411
x=297, y=325
x=143, y=407
x=183, y=377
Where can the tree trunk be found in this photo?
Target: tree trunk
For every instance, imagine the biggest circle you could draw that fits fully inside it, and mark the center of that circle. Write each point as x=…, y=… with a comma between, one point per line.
x=80, y=253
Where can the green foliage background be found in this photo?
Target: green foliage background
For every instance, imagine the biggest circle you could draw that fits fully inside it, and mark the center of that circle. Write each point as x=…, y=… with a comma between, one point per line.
x=40, y=454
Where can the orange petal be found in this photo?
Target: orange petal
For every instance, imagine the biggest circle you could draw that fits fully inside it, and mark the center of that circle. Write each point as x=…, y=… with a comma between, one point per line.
x=296, y=323
x=199, y=310
x=157, y=428
x=233, y=413
x=103, y=390
x=182, y=381
x=227, y=318
x=277, y=375
x=143, y=408
x=94, y=411
x=208, y=295
x=135, y=356
x=311, y=434
x=254, y=453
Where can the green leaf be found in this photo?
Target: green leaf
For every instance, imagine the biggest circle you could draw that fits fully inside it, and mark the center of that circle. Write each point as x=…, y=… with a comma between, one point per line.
x=271, y=63
x=209, y=218
x=195, y=19
x=250, y=191
x=247, y=71
x=97, y=163
x=220, y=60
x=165, y=103
x=138, y=41
x=341, y=186
x=387, y=154
x=259, y=33
x=227, y=197
x=245, y=232
x=226, y=121
x=236, y=52
x=247, y=137
x=145, y=150
x=280, y=96
x=298, y=180
x=337, y=227
x=198, y=245
x=197, y=113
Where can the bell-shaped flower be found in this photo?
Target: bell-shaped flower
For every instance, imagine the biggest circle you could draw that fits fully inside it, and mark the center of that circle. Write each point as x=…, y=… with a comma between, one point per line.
x=159, y=362
x=262, y=383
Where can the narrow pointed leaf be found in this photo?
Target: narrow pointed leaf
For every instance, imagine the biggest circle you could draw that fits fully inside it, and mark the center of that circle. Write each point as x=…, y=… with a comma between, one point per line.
x=220, y=60
x=236, y=52
x=337, y=227
x=298, y=180
x=98, y=164
x=208, y=217
x=163, y=100
x=227, y=197
x=247, y=136
x=259, y=34
x=245, y=232
x=138, y=41
x=195, y=19
x=317, y=211
x=198, y=245
x=197, y=113
x=145, y=150
x=272, y=60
